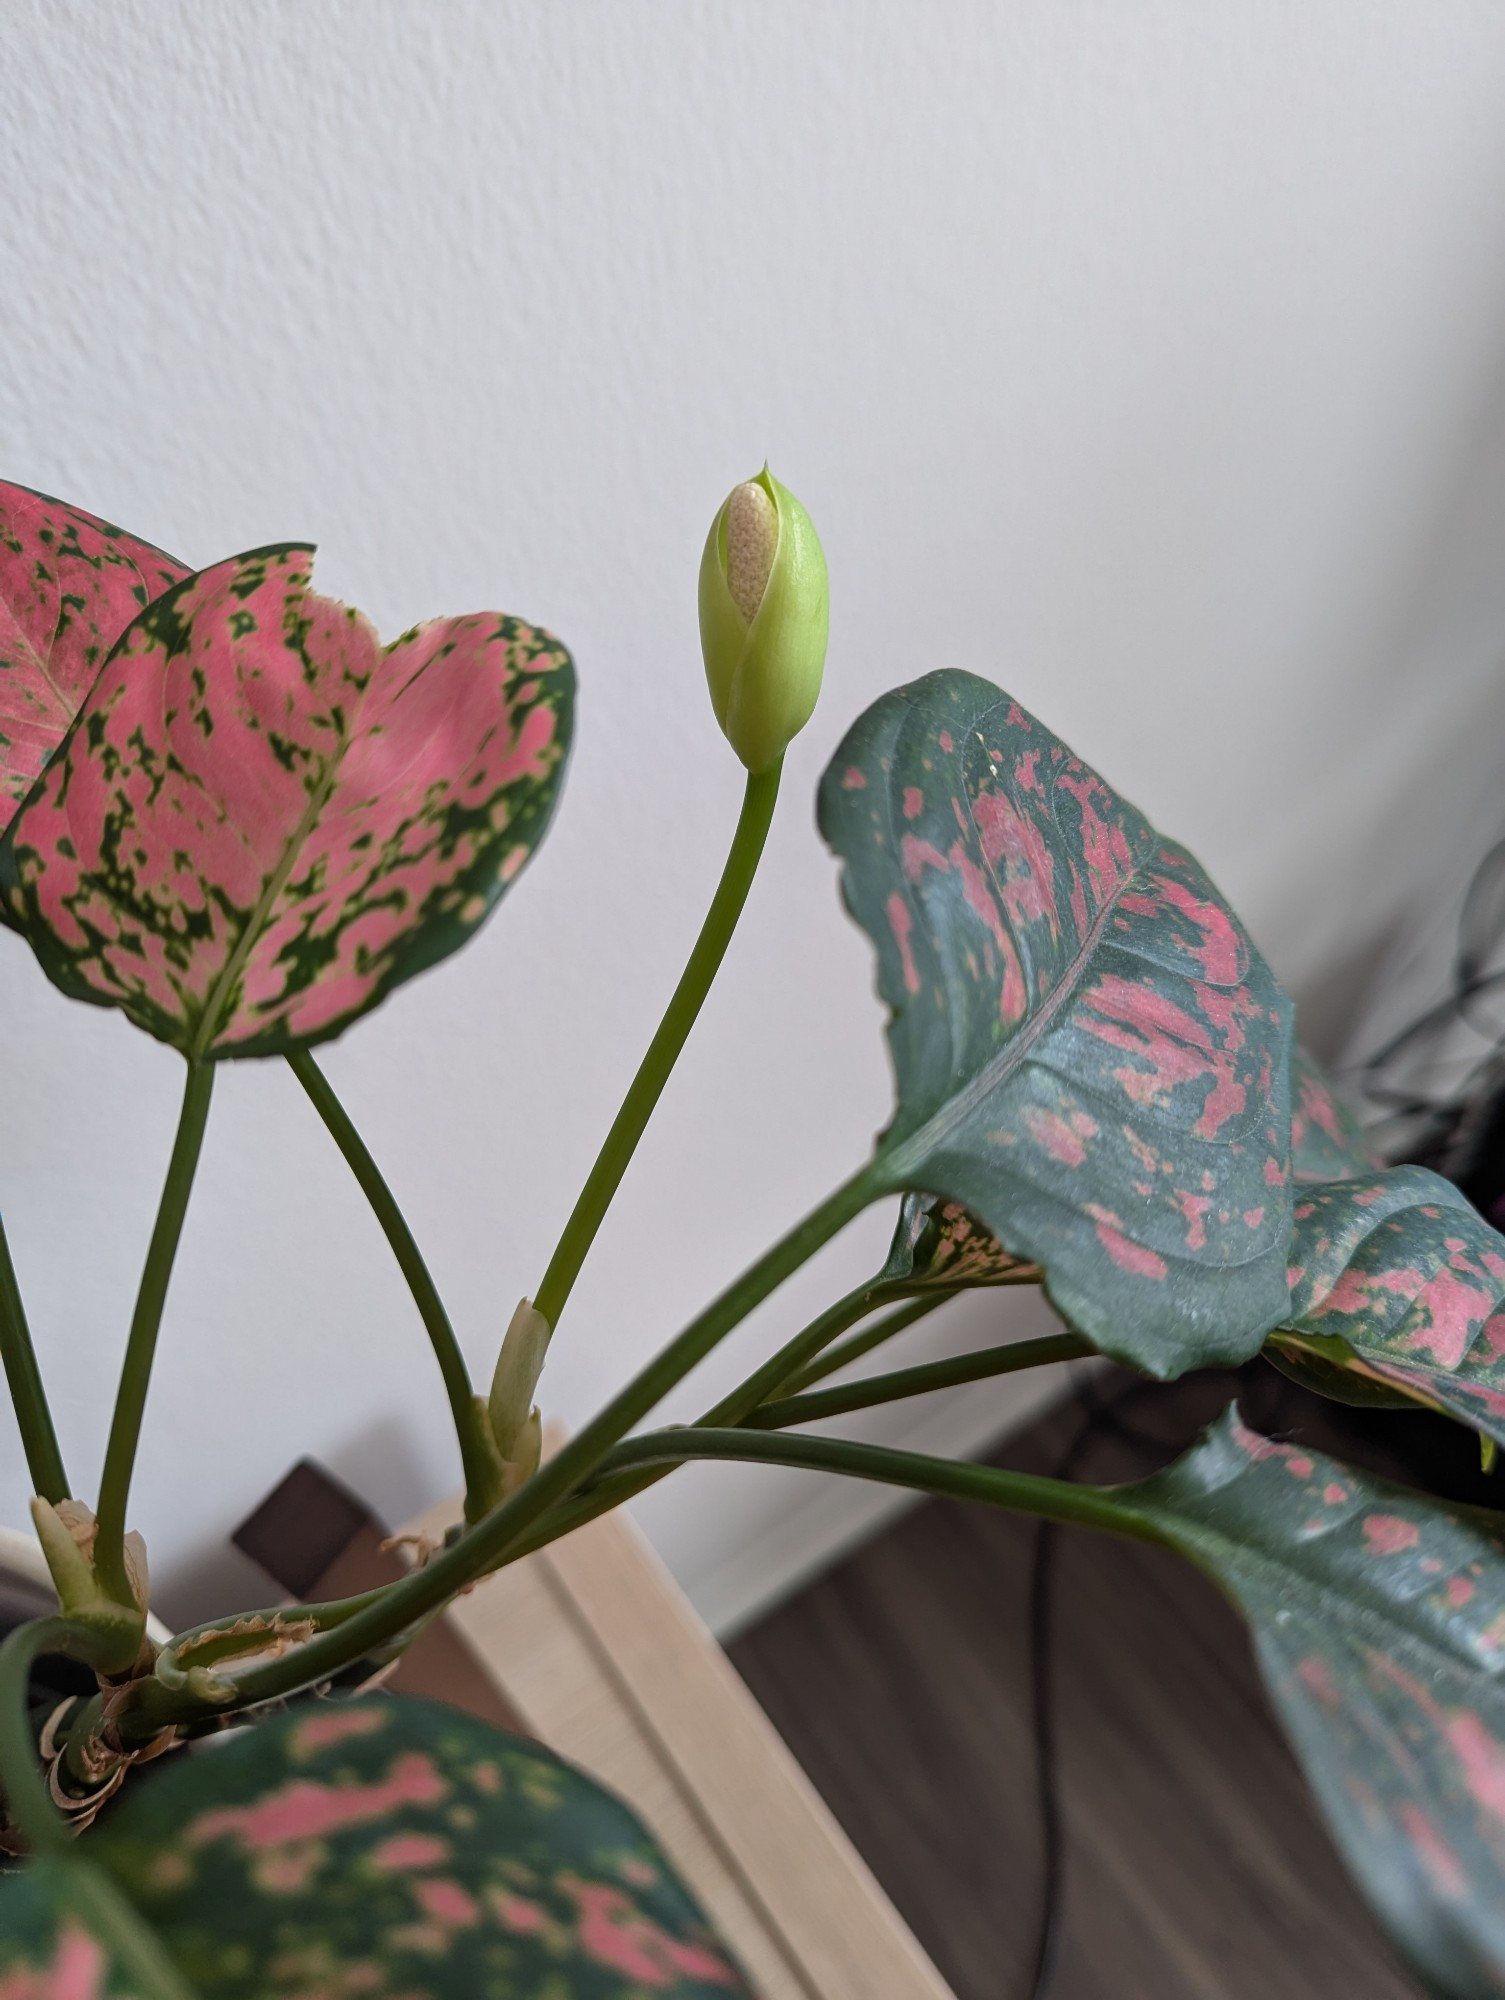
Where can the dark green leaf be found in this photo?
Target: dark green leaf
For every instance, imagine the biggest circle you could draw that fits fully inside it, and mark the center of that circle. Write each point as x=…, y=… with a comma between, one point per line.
x=1379, y=1621
x=1327, y=1140
x=1091, y=1056
x=1399, y=1282
x=46, y=1952
x=397, y=1848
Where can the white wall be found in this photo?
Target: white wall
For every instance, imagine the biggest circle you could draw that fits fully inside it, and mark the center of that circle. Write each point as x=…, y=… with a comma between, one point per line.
x=1140, y=357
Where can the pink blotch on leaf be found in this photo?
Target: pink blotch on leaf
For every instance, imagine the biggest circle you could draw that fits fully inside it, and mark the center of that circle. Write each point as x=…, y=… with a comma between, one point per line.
x=516, y=1913
x=853, y=780
x=1333, y=1494
x=1135, y=1258
x=1483, y=1761
x=916, y=856
x=914, y=802
x=79, y=1971
x=1220, y=953
x=901, y=923
x=405, y=1851
x=1390, y=1534
x=1253, y=1217
x=1193, y=1209
x=1300, y=1466
x=615, y=1934
x=1442, y=1865
x=1052, y=1132
x=338, y=1726
x=445, y=1902
x=1459, y=1591
x=944, y=739
x=1453, y=1314
x=1316, y=1676
x=306, y=1811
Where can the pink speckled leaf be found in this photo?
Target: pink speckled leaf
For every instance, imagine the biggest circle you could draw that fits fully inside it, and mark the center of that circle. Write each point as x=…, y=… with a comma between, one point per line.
x=1327, y=1140
x=1379, y=1622
x=69, y=586
x=1398, y=1287
x=263, y=820
x=1091, y=1056
x=937, y=1244
x=386, y=1848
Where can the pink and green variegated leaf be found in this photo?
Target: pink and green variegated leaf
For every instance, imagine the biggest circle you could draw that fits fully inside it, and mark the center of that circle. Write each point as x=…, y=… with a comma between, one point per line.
x=1379, y=1623
x=937, y=1244
x=69, y=586
x=1091, y=1056
x=47, y=1953
x=1398, y=1292
x=388, y=1848
x=263, y=820
x=1327, y=1140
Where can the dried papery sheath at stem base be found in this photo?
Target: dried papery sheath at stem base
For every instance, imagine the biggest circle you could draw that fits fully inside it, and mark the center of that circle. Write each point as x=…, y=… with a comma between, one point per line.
x=764, y=616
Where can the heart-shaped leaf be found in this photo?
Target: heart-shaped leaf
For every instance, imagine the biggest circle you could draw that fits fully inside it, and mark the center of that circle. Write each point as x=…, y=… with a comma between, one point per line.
x=1398, y=1282
x=1327, y=1140
x=384, y=1847
x=69, y=586
x=1379, y=1621
x=263, y=820
x=1092, y=1058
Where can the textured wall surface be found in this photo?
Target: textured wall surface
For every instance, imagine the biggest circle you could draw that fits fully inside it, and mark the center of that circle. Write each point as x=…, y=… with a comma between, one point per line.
x=1150, y=360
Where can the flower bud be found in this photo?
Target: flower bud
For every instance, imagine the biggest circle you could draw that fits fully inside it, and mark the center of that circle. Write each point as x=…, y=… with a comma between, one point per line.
x=764, y=612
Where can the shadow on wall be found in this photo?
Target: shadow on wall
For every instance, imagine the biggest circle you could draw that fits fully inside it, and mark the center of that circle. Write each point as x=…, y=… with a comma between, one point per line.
x=1440, y=771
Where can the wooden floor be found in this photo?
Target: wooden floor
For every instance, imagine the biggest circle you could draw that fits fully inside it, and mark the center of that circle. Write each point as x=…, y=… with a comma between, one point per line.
x=1195, y=1865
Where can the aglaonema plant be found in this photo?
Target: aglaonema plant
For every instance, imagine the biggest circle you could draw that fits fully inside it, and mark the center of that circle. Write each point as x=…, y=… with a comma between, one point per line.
x=233, y=813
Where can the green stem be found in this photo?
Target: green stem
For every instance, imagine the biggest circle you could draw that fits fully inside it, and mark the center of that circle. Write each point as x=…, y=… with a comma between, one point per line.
x=134, y=1947
x=820, y=1365
x=920, y=1381
x=792, y=1356
x=78, y=1886
x=847, y=1351
x=663, y=1051
x=737, y=1403
x=28, y=1803
x=1019, y=1492
x=135, y=1374
x=44, y=1462
x=493, y=1538
x=475, y=1455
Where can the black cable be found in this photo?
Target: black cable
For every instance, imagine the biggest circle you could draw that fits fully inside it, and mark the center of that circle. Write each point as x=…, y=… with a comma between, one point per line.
x=1100, y=1418
x=1427, y=1125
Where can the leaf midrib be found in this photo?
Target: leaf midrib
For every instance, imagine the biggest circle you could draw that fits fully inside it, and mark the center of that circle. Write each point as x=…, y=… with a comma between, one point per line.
x=209, y=1020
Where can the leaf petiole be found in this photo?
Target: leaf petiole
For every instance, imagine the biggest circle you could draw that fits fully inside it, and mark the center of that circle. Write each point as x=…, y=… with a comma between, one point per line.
x=663, y=1051
x=44, y=1461
x=476, y=1457
x=923, y=1380
x=493, y=1539
x=135, y=1374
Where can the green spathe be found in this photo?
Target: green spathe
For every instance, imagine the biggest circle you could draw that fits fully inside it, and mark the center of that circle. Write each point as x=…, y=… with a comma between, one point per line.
x=765, y=672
